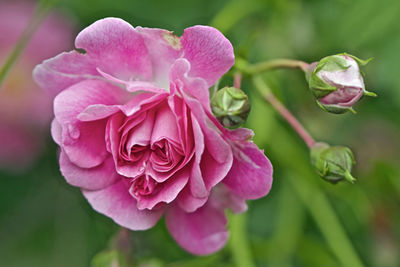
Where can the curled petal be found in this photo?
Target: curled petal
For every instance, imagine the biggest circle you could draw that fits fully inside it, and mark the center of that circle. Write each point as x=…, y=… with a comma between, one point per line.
x=91, y=179
x=116, y=203
x=251, y=174
x=201, y=232
x=116, y=48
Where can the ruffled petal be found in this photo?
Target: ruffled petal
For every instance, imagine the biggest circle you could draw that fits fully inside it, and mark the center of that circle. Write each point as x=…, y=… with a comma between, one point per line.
x=116, y=203
x=91, y=179
x=209, y=52
x=251, y=174
x=201, y=232
x=84, y=142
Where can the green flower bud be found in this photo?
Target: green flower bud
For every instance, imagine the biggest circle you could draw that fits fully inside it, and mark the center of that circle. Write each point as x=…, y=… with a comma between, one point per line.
x=333, y=163
x=337, y=83
x=230, y=106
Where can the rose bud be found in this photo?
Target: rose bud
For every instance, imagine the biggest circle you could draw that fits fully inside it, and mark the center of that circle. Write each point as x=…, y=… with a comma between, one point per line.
x=333, y=163
x=337, y=83
x=231, y=106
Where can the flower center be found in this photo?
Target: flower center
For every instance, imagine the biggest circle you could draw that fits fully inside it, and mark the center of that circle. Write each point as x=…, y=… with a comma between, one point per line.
x=142, y=186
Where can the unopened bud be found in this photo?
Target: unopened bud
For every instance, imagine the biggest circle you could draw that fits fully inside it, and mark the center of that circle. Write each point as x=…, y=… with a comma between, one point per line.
x=230, y=106
x=337, y=83
x=333, y=163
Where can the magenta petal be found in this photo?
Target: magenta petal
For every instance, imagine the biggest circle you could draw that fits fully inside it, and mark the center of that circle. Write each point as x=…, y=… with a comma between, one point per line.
x=201, y=232
x=168, y=192
x=197, y=186
x=164, y=48
x=116, y=48
x=91, y=179
x=188, y=202
x=116, y=203
x=210, y=54
x=60, y=72
x=84, y=142
x=251, y=174
x=56, y=131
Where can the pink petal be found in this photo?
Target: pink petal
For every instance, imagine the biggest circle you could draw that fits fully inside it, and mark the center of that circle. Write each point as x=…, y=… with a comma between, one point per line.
x=56, y=132
x=223, y=198
x=164, y=48
x=116, y=48
x=188, y=202
x=201, y=232
x=116, y=203
x=84, y=141
x=111, y=45
x=197, y=186
x=251, y=174
x=218, y=147
x=193, y=87
x=165, y=125
x=168, y=192
x=60, y=72
x=91, y=179
x=210, y=54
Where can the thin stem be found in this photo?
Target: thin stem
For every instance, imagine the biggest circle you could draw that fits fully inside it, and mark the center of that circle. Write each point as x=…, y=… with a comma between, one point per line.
x=266, y=92
x=237, y=81
x=247, y=68
x=39, y=15
x=239, y=244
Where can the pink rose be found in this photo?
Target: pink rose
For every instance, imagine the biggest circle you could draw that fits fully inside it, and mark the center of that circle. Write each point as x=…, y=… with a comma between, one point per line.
x=26, y=110
x=136, y=131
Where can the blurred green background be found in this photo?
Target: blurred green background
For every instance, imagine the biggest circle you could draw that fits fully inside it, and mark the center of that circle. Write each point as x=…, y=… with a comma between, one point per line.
x=304, y=221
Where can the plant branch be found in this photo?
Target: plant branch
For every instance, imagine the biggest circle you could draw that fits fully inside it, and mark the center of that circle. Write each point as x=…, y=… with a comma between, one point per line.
x=252, y=69
x=267, y=94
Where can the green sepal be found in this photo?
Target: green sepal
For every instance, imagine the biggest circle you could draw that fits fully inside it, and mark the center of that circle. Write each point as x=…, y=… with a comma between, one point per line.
x=335, y=108
x=318, y=87
x=361, y=62
x=332, y=163
x=332, y=63
x=230, y=106
x=367, y=93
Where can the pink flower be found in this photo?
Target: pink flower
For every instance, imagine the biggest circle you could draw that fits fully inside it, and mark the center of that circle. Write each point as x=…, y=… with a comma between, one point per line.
x=136, y=132
x=26, y=110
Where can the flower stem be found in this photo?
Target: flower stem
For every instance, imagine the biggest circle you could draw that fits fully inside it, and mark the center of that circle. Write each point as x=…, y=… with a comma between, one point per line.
x=41, y=11
x=252, y=69
x=239, y=244
x=266, y=92
x=237, y=81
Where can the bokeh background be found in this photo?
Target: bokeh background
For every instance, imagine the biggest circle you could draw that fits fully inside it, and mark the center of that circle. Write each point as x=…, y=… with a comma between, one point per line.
x=304, y=221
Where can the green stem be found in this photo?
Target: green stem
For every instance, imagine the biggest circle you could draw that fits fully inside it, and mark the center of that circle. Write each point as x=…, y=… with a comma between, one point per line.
x=327, y=221
x=41, y=11
x=252, y=69
x=267, y=94
x=239, y=244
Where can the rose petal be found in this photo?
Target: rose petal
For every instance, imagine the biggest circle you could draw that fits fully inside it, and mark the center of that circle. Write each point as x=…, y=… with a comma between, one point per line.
x=164, y=48
x=168, y=192
x=84, y=142
x=188, y=202
x=91, y=179
x=251, y=174
x=116, y=203
x=210, y=54
x=110, y=44
x=56, y=131
x=116, y=48
x=201, y=232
